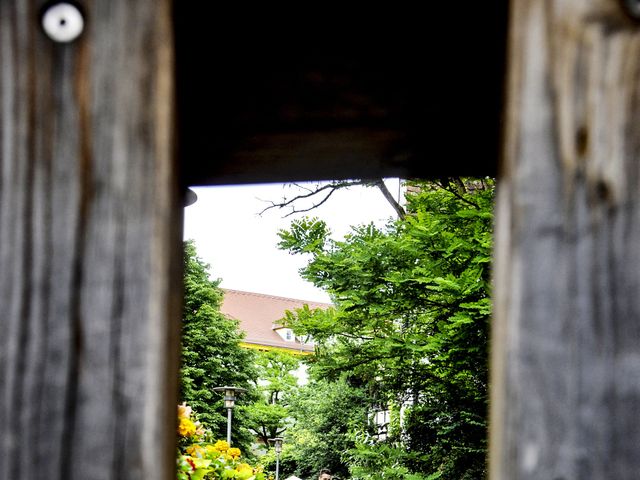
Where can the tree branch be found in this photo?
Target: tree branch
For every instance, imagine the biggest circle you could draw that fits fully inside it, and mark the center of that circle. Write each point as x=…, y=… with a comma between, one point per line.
x=440, y=183
x=330, y=189
x=389, y=197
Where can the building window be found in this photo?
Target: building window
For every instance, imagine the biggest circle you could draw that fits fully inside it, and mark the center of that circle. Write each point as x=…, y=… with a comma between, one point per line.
x=380, y=422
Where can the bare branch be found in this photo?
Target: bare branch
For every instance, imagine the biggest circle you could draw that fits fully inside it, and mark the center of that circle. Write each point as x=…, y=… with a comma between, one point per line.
x=329, y=189
x=332, y=187
x=316, y=205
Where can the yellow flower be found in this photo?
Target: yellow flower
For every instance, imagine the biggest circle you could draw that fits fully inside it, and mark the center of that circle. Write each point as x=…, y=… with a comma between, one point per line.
x=221, y=446
x=196, y=451
x=234, y=452
x=186, y=428
x=212, y=451
x=184, y=411
x=244, y=471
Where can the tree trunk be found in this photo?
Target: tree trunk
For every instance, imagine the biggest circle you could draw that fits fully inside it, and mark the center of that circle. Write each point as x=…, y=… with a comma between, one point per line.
x=89, y=245
x=566, y=340
x=388, y=196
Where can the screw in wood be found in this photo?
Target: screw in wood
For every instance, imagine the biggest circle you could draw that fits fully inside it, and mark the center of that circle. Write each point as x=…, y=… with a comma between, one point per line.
x=62, y=22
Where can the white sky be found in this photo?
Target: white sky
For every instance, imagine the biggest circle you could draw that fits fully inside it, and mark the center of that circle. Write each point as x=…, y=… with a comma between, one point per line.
x=240, y=245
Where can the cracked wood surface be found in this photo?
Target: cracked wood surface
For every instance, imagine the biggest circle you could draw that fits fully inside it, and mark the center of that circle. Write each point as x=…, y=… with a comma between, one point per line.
x=89, y=245
x=566, y=339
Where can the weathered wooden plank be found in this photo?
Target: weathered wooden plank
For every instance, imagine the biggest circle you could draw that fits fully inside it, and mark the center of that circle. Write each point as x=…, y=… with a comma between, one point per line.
x=89, y=245
x=566, y=342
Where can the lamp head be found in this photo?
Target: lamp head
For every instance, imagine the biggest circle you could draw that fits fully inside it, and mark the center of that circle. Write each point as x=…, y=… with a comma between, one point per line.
x=277, y=443
x=230, y=394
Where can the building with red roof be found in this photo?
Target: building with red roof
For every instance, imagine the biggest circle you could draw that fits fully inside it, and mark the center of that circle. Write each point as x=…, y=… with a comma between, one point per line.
x=260, y=318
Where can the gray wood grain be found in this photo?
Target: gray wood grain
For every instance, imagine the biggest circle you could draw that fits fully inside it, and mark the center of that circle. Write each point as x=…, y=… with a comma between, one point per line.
x=566, y=341
x=89, y=245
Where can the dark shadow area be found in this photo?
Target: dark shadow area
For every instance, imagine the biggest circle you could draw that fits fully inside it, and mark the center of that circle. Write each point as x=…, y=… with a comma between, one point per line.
x=275, y=94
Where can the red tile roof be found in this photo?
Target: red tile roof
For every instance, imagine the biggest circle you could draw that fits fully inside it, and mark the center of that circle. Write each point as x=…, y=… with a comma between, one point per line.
x=259, y=314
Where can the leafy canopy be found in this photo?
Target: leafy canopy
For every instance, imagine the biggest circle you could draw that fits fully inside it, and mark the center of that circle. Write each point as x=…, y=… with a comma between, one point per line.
x=410, y=323
x=325, y=414
x=211, y=353
x=269, y=416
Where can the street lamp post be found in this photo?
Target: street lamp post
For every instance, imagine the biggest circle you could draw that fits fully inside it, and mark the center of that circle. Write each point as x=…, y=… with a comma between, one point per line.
x=277, y=444
x=229, y=403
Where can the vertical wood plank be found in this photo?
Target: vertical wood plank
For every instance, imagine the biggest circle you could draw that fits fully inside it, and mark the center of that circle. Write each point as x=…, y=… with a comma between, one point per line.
x=566, y=341
x=90, y=258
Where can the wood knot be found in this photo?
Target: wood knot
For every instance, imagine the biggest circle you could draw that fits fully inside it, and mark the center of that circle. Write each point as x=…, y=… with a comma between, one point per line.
x=603, y=191
x=582, y=141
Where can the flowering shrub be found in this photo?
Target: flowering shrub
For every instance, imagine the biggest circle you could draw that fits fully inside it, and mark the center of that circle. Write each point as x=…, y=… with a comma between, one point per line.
x=199, y=459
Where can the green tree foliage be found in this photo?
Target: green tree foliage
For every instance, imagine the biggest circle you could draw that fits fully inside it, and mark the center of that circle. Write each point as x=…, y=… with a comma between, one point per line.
x=269, y=416
x=211, y=352
x=325, y=412
x=410, y=323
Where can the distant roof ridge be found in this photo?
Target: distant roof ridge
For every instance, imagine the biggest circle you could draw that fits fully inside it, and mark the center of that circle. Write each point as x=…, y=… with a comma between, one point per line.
x=268, y=295
x=259, y=312
x=290, y=345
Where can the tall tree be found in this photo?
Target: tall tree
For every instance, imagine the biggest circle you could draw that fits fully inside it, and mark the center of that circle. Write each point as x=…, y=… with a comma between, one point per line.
x=411, y=318
x=211, y=352
x=269, y=416
x=324, y=414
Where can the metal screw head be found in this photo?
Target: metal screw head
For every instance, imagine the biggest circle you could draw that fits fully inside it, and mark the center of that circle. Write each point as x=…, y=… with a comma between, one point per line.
x=62, y=22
